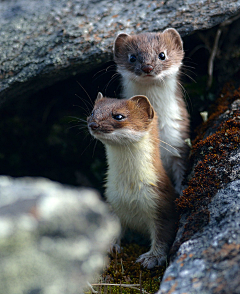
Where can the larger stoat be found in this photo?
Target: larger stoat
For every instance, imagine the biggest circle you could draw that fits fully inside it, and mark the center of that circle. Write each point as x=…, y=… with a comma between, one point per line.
x=137, y=186
x=149, y=65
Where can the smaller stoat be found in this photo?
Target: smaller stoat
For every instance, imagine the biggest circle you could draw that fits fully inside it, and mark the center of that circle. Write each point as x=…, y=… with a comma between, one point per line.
x=137, y=187
x=149, y=64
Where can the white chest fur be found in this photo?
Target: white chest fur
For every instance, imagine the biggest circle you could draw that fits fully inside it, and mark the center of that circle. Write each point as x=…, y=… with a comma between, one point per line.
x=130, y=181
x=162, y=95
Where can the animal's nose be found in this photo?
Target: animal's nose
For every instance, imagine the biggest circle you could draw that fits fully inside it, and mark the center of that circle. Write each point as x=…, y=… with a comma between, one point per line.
x=93, y=125
x=147, y=68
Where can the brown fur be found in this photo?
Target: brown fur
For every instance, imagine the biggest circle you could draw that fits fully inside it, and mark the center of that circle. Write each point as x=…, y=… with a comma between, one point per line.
x=149, y=75
x=141, y=117
x=151, y=45
x=137, y=116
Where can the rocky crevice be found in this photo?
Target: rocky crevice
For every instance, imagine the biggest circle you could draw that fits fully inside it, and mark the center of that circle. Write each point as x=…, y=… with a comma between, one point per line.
x=205, y=253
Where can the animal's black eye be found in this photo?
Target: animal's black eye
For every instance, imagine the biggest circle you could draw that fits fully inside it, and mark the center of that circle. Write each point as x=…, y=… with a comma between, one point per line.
x=132, y=58
x=162, y=56
x=118, y=116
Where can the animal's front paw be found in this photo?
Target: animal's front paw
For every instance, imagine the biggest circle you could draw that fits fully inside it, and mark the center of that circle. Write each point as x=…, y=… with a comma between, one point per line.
x=149, y=260
x=115, y=247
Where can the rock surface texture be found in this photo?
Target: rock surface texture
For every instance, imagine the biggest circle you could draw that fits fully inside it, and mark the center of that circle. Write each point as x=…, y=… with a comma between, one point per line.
x=45, y=42
x=53, y=239
x=206, y=250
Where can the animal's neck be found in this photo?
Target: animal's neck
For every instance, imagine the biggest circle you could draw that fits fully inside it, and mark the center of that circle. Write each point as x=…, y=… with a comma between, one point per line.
x=132, y=163
x=162, y=96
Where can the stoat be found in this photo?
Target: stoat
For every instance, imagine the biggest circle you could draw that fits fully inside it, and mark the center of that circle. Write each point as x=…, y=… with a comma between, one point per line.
x=149, y=65
x=137, y=186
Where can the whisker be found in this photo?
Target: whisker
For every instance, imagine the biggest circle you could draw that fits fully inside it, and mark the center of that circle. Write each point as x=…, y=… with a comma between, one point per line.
x=78, y=119
x=102, y=75
x=188, y=70
x=91, y=140
x=94, y=147
x=86, y=112
x=184, y=69
x=189, y=59
x=167, y=149
x=186, y=95
x=104, y=70
x=86, y=132
x=168, y=144
x=85, y=92
x=187, y=66
x=85, y=103
x=111, y=80
x=115, y=92
x=188, y=76
x=79, y=126
x=183, y=89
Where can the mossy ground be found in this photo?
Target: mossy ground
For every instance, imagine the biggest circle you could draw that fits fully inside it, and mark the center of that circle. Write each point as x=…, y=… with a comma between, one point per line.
x=130, y=276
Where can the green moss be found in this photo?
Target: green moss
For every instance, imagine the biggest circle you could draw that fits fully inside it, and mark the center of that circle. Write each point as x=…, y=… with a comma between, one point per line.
x=123, y=270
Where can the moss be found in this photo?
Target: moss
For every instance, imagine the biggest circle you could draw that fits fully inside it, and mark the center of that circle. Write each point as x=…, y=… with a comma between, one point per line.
x=123, y=269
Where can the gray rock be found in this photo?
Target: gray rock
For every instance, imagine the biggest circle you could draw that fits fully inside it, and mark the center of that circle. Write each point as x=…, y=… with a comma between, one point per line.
x=53, y=238
x=47, y=41
x=209, y=260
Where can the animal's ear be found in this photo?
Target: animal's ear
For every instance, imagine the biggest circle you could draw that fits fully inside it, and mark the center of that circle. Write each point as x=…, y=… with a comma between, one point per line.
x=143, y=103
x=173, y=34
x=99, y=96
x=121, y=38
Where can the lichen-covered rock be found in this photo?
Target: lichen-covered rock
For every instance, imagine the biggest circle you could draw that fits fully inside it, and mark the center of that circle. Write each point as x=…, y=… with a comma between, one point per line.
x=206, y=250
x=209, y=261
x=53, y=238
x=47, y=41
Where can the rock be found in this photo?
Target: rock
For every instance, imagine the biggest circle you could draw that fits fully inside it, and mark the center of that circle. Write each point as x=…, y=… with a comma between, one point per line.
x=46, y=42
x=53, y=238
x=209, y=261
x=205, y=254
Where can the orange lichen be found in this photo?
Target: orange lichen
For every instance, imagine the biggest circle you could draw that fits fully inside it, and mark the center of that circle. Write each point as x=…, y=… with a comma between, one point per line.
x=212, y=168
x=210, y=153
x=227, y=96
